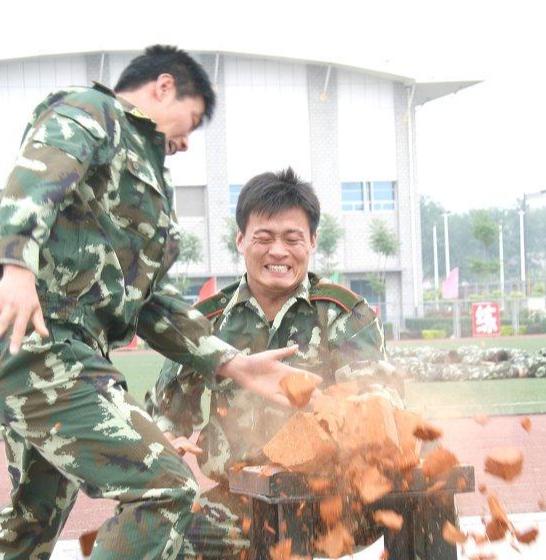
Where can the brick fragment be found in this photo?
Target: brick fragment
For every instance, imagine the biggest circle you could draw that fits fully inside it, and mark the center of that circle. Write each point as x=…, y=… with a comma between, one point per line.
x=336, y=542
x=526, y=424
x=301, y=445
x=427, y=432
x=368, y=481
x=389, y=519
x=452, y=534
x=330, y=510
x=298, y=388
x=438, y=462
x=527, y=537
x=504, y=462
x=87, y=540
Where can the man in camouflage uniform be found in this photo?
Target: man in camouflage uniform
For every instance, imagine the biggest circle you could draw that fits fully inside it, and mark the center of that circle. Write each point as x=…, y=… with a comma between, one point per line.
x=87, y=233
x=275, y=304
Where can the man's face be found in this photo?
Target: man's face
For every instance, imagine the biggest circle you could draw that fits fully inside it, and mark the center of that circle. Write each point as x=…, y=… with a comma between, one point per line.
x=276, y=251
x=177, y=119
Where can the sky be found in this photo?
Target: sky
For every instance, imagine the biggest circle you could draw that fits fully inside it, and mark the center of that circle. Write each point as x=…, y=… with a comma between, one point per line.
x=483, y=146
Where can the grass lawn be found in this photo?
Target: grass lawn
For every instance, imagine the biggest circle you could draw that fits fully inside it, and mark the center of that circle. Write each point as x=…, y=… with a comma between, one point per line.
x=436, y=399
x=531, y=343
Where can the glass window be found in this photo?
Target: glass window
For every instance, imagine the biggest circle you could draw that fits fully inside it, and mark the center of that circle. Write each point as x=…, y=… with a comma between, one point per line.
x=376, y=300
x=234, y=192
x=352, y=197
x=382, y=195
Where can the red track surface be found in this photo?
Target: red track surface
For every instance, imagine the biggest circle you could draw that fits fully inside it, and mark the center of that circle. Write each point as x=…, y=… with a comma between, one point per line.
x=466, y=438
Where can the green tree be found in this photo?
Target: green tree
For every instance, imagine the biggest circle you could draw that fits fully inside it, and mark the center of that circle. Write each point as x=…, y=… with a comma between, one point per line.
x=191, y=251
x=485, y=230
x=228, y=239
x=384, y=243
x=329, y=234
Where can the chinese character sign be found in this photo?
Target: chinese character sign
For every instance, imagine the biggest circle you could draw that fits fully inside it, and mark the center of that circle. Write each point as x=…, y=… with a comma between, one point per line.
x=485, y=319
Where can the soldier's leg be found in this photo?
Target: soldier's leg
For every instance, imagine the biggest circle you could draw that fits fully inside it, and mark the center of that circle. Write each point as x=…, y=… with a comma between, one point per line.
x=69, y=404
x=216, y=530
x=41, y=500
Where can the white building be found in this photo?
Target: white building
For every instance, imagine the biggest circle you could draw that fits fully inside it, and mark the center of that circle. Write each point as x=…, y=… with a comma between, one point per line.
x=349, y=130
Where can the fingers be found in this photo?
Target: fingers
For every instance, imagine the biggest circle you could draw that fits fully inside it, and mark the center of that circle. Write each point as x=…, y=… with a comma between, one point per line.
x=39, y=323
x=18, y=332
x=183, y=444
x=282, y=353
x=6, y=318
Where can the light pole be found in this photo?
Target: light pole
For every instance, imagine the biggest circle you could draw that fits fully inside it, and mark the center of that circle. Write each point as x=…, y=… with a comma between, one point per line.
x=501, y=263
x=435, y=253
x=523, y=237
x=446, y=243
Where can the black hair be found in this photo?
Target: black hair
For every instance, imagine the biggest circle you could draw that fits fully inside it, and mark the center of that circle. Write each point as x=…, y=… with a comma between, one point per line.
x=190, y=77
x=271, y=193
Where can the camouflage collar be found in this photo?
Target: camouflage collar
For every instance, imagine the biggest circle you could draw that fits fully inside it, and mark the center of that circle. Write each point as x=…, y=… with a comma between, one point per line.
x=130, y=109
x=243, y=296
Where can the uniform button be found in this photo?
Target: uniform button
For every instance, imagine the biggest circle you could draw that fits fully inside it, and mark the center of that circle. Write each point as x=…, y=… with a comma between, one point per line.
x=223, y=300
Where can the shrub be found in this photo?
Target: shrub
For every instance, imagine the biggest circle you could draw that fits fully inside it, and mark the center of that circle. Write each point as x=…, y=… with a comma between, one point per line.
x=431, y=334
x=507, y=330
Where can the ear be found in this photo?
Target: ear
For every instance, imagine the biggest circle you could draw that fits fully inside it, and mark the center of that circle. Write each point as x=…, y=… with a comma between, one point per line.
x=314, y=240
x=164, y=87
x=239, y=239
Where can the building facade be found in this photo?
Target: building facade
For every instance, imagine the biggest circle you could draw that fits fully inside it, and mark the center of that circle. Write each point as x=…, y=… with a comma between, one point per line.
x=347, y=130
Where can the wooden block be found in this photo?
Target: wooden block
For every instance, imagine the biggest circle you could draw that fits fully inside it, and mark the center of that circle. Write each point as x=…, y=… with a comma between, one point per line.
x=301, y=445
x=504, y=462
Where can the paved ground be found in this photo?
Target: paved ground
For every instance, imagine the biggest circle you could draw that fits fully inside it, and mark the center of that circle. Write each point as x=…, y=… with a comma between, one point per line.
x=465, y=437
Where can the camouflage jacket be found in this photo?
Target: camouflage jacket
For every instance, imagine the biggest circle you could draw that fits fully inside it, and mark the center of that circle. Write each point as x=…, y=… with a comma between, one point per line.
x=89, y=209
x=332, y=326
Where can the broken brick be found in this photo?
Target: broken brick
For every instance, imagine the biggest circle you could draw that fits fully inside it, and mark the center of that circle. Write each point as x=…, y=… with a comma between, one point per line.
x=504, y=462
x=526, y=424
x=301, y=445
x=336, y=542
x=298, y=388
x=527, y=537
x=452, y=534
x=427, y=432
x=330, y=509
x=439, y=461
x=389, y=519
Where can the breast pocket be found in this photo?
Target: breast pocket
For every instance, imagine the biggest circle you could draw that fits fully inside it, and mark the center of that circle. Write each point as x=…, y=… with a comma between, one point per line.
x=142, y=207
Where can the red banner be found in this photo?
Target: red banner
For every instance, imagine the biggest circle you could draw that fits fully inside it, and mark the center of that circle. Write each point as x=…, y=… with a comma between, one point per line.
x=486, y=319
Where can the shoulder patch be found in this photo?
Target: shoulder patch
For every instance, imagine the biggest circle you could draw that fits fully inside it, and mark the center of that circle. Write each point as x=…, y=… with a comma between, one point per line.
x=214, y=305
x=326, y=291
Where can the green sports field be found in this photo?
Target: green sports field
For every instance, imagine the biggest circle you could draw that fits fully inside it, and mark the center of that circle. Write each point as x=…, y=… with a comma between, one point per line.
x=436, y=399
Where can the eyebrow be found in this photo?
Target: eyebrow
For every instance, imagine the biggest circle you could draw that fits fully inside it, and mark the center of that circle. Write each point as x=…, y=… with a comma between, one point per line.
x=286, y=232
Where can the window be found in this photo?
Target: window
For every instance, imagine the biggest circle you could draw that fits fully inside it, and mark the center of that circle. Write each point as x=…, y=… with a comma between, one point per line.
x=190, y=201
x=234, y=192
x=376, y=300
x=374, y=196
x=352, y=197
x=382, y=195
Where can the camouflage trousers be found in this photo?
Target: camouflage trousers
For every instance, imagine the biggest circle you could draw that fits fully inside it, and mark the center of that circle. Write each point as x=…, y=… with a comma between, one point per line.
x=215, y=531
x=71, y=425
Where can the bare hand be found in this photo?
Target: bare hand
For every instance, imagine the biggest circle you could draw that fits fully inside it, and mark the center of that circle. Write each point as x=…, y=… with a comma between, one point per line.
x=19, y=305
x=182, y=444
x=261, y=373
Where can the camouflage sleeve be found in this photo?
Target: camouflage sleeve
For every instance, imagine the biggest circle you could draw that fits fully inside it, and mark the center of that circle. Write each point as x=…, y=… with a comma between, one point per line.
x=356, y=335
x=183, y=334
x=55, y=155
x=178, y=404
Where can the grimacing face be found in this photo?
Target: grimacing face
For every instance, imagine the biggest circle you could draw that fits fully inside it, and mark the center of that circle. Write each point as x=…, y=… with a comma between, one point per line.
x=276, y=250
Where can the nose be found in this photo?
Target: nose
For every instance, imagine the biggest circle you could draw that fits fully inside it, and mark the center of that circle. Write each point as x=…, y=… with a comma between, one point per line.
x=278, y=249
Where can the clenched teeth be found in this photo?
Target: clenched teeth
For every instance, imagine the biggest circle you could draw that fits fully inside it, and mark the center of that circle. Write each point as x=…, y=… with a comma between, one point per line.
x=278, y=268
